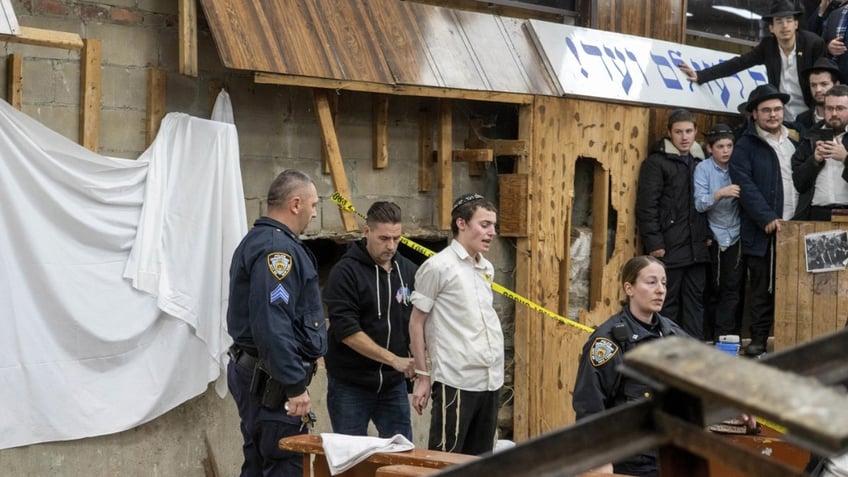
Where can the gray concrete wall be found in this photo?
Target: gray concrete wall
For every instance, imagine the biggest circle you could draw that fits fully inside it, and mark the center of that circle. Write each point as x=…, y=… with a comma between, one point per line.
x=277, y=130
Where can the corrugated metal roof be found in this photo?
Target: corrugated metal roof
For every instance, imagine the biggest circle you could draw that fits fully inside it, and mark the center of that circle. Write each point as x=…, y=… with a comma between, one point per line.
x=387, y=42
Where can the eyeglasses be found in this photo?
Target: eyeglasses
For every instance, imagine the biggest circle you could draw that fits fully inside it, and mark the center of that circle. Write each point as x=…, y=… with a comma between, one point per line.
x=767, y=111
x=838, y=109
x=466, y=199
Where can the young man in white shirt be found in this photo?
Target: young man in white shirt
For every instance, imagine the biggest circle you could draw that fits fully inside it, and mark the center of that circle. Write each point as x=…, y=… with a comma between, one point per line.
x=454, y=323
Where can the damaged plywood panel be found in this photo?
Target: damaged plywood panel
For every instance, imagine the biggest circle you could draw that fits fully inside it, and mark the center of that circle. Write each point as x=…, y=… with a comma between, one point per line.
x=563, y=131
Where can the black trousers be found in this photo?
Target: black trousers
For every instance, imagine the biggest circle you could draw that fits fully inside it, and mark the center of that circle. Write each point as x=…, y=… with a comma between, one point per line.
x=684, y=299
x=726, y=290
x=761, y=272
x=462, y=421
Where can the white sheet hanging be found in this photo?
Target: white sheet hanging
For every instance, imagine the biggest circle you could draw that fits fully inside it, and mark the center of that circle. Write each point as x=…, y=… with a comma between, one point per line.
x=84, y=351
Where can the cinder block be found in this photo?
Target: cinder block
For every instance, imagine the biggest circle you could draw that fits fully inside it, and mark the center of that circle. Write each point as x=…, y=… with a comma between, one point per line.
x=38, y=81
x=115, y=38
x=122, y=133
x=170, y=7
x=117, y=81
x=66, y=82
x=62, y=119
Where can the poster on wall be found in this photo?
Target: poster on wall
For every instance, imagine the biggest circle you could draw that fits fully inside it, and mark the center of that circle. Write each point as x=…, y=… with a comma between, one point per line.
x=602, y=64
x=826, y=251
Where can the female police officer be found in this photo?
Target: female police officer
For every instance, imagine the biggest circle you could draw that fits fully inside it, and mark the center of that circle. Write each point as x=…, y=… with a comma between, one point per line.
x=599, y=386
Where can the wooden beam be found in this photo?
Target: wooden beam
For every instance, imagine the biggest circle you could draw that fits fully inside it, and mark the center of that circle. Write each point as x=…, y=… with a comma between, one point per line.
x=399, y=90
x=157, y=85
x=473, y=155
x=331, y=146
x=445, y=165
x=15, y=79
x=381, y=131
x=525, y=375
x=425, y=150
x=600, y=242
x=91, y=91
x=333, y=100
x=188, y=37
x=49, y=38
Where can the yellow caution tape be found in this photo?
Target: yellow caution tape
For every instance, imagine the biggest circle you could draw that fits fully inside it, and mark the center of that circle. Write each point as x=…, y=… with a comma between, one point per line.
x=348, y=207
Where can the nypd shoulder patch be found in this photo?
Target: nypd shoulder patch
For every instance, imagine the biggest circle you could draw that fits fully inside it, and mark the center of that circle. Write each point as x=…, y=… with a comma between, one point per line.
x=603, y=349
x=280, y=264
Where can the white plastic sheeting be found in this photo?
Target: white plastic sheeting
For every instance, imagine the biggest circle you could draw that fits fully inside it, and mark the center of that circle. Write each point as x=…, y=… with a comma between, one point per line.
x=113, y=276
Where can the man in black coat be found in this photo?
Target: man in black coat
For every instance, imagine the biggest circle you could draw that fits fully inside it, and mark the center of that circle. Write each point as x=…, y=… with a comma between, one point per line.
x=785, y=54
x=669, y=226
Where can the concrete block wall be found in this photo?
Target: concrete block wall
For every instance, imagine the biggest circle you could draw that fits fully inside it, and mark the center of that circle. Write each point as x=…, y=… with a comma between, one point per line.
x=277, y=130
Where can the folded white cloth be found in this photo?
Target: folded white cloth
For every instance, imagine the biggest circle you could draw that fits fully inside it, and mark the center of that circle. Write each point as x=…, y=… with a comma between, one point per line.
x=344, y=451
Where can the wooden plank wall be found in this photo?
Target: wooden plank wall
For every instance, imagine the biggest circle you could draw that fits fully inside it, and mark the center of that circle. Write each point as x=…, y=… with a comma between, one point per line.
x=806, y=305
x=657, y=19
x=547, y=350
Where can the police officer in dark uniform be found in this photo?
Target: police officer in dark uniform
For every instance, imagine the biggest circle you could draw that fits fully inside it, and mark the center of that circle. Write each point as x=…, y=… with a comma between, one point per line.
x=276, y=320
x=599, y=385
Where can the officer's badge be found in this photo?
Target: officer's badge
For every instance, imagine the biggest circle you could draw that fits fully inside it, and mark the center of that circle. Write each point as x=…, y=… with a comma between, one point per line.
x=280, y=264
x=603, y=349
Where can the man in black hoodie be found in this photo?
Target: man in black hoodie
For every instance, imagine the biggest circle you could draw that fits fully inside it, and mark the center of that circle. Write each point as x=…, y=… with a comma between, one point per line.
x=367, y=297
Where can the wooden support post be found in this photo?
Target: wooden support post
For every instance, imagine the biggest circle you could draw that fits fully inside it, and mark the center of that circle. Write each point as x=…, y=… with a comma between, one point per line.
x=333, y=101
x=188, y=37
x=381, y=131
x=91, y=91
x=445, y=164
x=600, y=242
x=157, y=83
x=331, y=147
x=521, y=410
x=425, y=151
x=15, y=80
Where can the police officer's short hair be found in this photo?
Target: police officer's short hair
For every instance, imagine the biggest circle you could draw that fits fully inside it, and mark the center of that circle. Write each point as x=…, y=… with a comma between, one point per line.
x=464, y=208
x=285, y=186
x=679, y=116
x=383, y=212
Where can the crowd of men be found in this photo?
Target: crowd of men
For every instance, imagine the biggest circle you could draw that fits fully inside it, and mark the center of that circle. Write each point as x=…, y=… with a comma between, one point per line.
x=714, y=221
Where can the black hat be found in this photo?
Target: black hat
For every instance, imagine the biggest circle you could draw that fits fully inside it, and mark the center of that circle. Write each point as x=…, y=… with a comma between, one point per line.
x=822, y=64
x=782, y=8
x=762, y=93
x=719, y=128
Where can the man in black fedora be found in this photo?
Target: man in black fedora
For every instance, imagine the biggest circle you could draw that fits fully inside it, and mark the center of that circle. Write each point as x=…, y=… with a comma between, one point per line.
x=822, y=76
x=785, y=53
x=761, y=165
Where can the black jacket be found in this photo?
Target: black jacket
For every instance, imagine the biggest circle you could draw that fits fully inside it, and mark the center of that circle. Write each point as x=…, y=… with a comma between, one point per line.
x=805, y=171
x=362, y=296
x=599, y=385
x=755, y=168
x=808, y=47
x=665, y=207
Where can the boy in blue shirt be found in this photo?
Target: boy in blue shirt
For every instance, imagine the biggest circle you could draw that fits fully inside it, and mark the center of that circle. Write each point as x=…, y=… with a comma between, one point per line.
x=716, y=196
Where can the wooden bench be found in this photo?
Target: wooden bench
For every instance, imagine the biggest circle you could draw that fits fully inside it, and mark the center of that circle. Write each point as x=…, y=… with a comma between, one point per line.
x=310, y=445
x=416, y=462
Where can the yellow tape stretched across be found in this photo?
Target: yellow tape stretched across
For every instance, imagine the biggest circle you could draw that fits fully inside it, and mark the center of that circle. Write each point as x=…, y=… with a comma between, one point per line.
x=348, y=207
